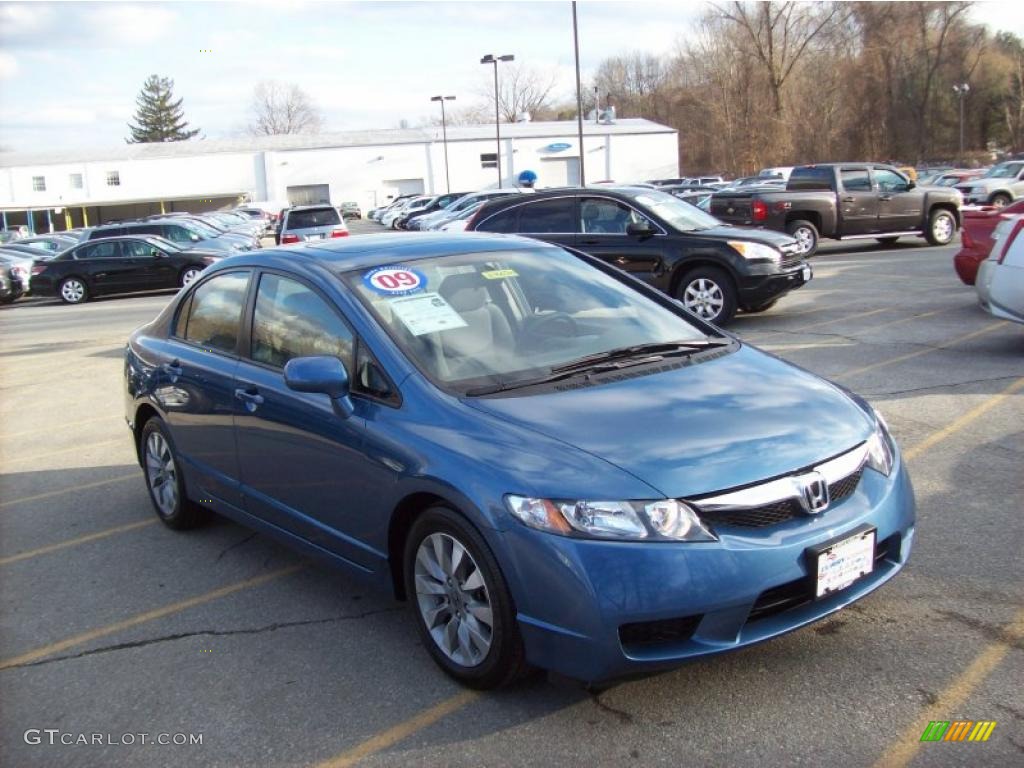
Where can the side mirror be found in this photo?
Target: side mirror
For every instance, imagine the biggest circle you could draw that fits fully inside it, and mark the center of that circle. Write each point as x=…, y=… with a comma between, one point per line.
x=911, y=184
x=639, y=228
x=323, y=374
x=194, y=237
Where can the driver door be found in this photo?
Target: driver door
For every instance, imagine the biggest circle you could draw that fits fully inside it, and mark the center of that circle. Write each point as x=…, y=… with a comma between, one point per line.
x=603, y=233
x=900, y=208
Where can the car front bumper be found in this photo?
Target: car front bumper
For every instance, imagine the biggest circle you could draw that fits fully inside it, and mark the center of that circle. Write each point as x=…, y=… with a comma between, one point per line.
x=574, y=596
x=757, y=289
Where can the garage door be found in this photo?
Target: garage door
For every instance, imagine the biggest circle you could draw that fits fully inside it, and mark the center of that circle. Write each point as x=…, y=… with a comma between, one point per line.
x=405, y=186
x=309, y=194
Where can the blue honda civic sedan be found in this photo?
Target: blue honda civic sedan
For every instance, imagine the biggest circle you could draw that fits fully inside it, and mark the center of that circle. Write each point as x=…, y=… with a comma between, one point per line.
x=555, y=464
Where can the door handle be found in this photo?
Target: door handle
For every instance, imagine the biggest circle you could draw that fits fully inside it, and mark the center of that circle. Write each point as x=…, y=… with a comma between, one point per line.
x=849, y=199
x=885, y=198
x=250, y=397
x=590, y=241
x=172, y=368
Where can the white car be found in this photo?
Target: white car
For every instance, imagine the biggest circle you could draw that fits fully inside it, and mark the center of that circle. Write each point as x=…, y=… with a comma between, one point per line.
x=438, y=219
x=1000, y=281
x=1003, y=184
x=458, y=224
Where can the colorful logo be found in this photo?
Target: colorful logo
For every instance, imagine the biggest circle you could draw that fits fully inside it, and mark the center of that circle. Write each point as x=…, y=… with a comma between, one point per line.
x=958, y=730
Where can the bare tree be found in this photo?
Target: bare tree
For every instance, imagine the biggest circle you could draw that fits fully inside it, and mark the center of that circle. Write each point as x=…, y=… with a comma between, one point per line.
x=280, y=108
x=521, y=90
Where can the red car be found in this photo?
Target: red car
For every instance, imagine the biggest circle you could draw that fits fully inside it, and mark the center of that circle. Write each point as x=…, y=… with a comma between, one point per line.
x=976, y=236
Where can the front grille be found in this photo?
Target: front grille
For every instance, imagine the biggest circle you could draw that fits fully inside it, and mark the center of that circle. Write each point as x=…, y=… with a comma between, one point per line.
x=791, y=256
x=779, y=511
x=800, y=592
x=647, y=633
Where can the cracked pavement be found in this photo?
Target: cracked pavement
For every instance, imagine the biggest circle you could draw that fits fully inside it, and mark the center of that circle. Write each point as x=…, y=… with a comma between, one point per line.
x=297, y=669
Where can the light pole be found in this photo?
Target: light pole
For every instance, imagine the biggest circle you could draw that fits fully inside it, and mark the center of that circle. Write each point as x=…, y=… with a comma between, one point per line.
x=961, y=91
x=490, y=58
x=579, y=94
x=444, y=134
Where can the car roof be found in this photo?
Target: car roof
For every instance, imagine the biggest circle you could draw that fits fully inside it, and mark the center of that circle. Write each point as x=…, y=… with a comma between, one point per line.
x=357, y=253
x=308, y=207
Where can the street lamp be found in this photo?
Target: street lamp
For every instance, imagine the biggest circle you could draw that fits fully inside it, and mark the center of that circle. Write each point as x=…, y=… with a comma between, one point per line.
x=490, y=58
x=444, y=133
x=961, y=90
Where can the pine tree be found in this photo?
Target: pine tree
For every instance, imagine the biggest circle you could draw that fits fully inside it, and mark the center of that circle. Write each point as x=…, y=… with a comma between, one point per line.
x=157, y=116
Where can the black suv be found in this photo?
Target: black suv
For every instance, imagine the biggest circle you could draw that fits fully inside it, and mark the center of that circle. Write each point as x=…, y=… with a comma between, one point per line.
x=711, y=268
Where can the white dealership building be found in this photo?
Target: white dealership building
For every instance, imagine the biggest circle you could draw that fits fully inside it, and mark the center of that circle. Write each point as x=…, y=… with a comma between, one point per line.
x=58, y=190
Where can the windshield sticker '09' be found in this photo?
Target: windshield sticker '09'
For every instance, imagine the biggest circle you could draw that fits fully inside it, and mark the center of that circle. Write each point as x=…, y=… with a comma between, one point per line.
x=395, y=281
x=426, y=313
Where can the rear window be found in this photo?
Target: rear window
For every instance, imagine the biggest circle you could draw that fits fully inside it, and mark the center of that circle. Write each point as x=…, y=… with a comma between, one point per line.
x=314, y=217
x=810, y=178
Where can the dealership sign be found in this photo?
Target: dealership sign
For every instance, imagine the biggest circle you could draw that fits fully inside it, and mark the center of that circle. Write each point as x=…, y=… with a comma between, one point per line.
x=558, y=146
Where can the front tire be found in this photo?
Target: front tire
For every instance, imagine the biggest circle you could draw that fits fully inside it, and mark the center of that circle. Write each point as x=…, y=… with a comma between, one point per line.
x=188, y=276
x=709, y=293
x=1000, y=200
x=164, y=480
x=463, y=608
x=941, y=227
x=73, y=290
x=806, y=234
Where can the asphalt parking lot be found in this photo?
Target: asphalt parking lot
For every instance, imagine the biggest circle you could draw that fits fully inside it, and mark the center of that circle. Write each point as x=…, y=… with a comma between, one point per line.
x=111, y=624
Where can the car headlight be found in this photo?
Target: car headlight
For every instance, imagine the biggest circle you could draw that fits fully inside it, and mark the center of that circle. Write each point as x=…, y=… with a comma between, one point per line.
x=756, y=251
x=661, y=520
x=881, y=449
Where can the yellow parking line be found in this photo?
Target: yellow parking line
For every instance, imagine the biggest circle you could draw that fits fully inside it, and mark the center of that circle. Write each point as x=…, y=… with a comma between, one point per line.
x=918, y=353
x=940, y=435
x=952, y=697
x=142, y=618
x=397, y=733
x=75, y=542
x=63, y=425
x=855, y=316
x=36, y=456
x=62, y=491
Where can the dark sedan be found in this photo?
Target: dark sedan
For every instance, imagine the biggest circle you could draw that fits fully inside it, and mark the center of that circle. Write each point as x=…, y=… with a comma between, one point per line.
x=119, y=265
x=711, y=268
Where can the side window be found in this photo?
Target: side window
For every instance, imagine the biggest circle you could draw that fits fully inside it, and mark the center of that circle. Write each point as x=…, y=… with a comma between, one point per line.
x=215, y=313
x=144, y=229
x=102, y=250
x=855, y=179
x=137, y=249
x=502, y=221
x=552, y=216
x=176, y=234
x=889, y=181
x=291, y=320
x=599, y=215
x=182, y=320
x=369, y=377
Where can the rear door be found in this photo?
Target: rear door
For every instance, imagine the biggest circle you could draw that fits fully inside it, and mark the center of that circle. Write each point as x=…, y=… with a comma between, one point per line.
x=603, y=223
x=197, y=389
x=302, y=466
x=900, y=208
x=858, y=202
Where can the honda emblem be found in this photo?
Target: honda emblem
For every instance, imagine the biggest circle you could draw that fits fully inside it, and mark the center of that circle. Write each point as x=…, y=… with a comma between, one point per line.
x=814, y=496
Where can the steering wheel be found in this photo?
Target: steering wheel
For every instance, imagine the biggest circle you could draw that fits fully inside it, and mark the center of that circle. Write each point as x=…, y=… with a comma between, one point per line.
x=556, y=320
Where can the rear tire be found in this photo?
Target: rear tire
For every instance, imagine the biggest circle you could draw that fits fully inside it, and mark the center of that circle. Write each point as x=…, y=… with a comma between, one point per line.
x=188, y=276
x=73, y=290
x=941, y=227
x=709, y=293
x=164, y=479
x=454, y=595
x=1000, y=200
x=806, y=235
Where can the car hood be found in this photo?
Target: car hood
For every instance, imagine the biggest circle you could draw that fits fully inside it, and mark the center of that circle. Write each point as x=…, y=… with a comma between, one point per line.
x=723, y=423
x=200, y=253
x=765, y=236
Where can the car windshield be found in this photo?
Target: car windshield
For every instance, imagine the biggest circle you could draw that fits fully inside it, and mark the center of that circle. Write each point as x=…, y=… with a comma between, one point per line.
x=682, y=216
x=1004, y=171
x=314, y=217
x=164, y=243
x=478, y=320
x=196, y=227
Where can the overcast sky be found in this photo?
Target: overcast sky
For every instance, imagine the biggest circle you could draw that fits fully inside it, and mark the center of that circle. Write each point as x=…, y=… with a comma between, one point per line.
x=69, y=72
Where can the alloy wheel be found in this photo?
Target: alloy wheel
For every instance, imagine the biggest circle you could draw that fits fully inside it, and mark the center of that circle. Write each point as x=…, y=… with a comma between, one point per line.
x=189, y=276
x=805, y=238
x=72, y=291
x=161, y=473
x=453, y=599
x=704, y=298
x=942, y=228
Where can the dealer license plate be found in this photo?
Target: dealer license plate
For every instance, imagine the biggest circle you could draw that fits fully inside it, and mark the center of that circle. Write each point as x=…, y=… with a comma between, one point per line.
x=841, y=563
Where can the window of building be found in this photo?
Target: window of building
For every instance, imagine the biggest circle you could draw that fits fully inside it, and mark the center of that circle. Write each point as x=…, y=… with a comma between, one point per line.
x=489, y=160
x=38, y=183
x=113, y=178
x=76, y=180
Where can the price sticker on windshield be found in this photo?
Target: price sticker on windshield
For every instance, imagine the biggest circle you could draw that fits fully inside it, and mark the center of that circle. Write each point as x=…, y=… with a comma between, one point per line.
x=394, y=281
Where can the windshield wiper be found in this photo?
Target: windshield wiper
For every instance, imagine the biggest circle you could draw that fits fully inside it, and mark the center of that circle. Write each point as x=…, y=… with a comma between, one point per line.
x=660, y=350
